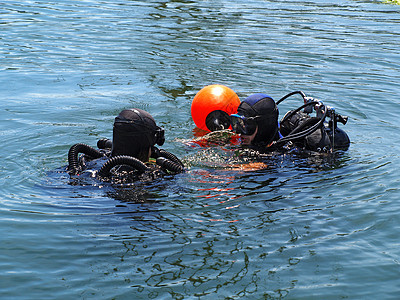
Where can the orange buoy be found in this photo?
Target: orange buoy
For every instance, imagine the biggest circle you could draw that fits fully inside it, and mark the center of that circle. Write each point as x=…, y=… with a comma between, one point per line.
x=213, y=98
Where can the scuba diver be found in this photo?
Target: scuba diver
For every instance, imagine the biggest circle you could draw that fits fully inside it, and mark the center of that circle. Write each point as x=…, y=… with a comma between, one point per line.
x=217, y=109
x=256, y=121
x=130, y=156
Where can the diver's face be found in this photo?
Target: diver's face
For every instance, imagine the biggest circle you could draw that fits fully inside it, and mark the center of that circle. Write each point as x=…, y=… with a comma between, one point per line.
x=248, y=139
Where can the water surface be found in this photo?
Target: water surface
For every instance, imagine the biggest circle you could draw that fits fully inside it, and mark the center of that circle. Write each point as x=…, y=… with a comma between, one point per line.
x=300, y=229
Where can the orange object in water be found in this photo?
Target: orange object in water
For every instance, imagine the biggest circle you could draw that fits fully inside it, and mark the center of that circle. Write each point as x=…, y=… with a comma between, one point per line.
x=213, y=98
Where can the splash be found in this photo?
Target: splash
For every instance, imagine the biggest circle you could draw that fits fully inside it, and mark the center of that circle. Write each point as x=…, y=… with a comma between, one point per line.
x=220, y=137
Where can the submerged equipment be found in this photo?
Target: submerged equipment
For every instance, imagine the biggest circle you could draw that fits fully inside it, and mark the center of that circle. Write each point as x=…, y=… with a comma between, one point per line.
x=212, y=106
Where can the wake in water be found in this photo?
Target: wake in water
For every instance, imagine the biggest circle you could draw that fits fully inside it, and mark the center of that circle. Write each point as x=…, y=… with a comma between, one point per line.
x=221, y=150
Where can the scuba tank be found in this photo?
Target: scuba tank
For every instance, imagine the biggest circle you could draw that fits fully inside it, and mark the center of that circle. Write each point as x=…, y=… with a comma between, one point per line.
x=317, y=133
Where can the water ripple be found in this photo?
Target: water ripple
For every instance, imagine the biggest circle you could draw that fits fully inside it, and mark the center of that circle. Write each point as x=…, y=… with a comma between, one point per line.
x=300, y=228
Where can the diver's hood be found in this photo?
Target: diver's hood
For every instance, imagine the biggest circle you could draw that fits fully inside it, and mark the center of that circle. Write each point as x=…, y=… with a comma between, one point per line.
x=134, y=132
x=264, y=106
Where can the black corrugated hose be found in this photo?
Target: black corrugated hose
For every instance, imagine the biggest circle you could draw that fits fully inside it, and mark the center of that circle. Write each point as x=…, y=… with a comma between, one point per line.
x=73, y=161
x=121, y=160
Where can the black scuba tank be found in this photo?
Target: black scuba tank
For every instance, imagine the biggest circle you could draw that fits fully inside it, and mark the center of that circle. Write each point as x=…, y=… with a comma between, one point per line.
x=317, y=140
x=339, y=138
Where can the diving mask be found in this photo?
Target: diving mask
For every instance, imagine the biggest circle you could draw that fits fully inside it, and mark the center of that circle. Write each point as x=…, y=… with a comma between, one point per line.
x=243, y=125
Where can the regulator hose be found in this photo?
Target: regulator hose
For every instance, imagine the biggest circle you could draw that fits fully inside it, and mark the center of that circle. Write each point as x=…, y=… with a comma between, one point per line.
x=169, y=165
x=307, y=123
x=73, y=162
x=170, y=156
x=121, y=160
x=293, y=112
x=172, y=160
x=291, y=94
x=295, y=136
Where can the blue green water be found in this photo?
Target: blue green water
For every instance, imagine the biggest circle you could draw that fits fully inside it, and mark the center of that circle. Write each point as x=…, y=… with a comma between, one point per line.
x=301, y=229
